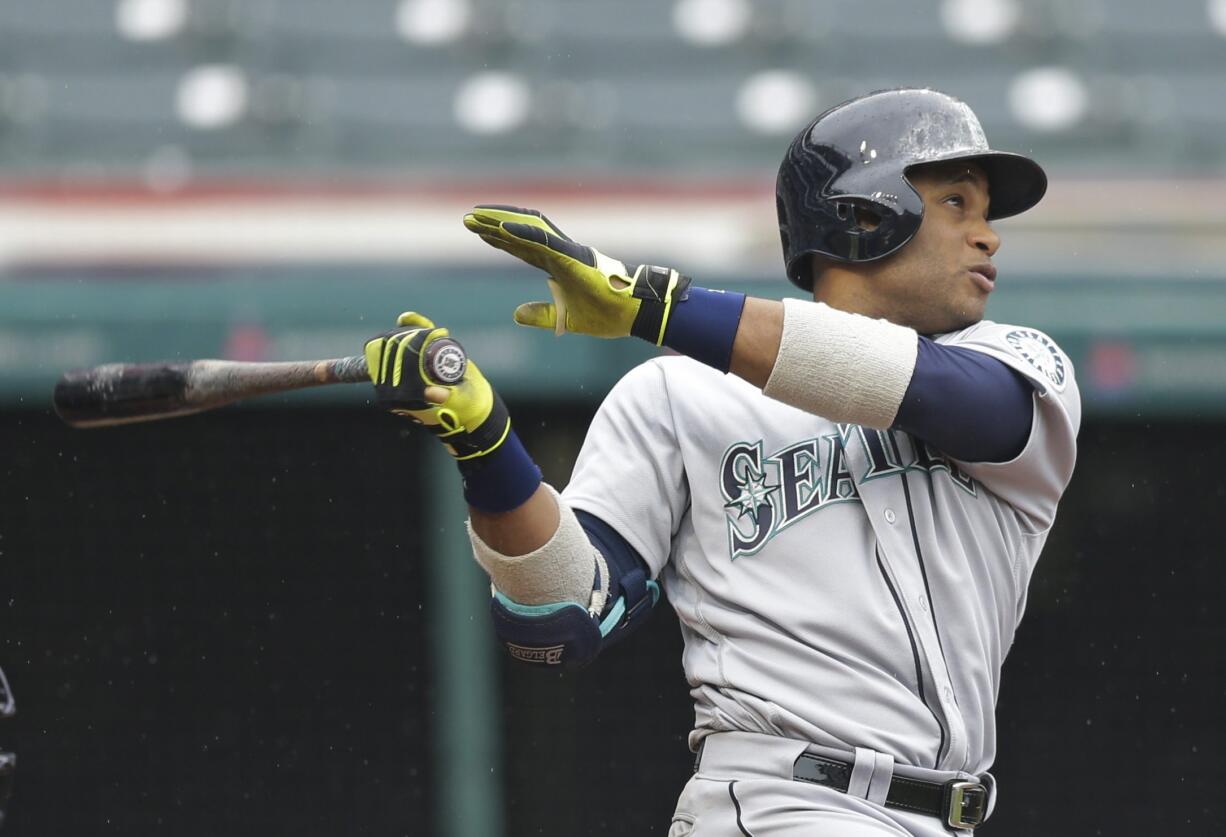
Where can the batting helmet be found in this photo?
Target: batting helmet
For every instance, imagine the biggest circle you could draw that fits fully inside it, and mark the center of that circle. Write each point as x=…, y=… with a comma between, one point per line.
x=857, y=156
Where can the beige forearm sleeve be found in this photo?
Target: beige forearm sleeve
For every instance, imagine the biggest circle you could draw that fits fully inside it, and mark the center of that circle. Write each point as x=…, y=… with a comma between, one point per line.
x=843, y=367
x=562, y=570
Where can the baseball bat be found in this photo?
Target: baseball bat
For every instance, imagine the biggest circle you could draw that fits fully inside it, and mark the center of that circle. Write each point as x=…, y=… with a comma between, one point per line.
x=123, y=393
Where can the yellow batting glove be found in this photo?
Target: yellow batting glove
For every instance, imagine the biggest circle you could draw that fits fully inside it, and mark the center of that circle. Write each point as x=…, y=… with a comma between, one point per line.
x=592, y=293
x=403, y=363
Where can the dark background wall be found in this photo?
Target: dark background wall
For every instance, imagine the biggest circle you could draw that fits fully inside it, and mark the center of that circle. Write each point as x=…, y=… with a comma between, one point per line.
x=217, y=625
x=214, y=626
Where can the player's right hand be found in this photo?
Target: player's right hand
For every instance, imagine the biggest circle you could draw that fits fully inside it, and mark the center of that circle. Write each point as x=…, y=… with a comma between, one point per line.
x=435, y=385
x=592, y=293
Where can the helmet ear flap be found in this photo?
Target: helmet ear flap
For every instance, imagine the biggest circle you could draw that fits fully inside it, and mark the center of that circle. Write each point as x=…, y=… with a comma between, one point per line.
x=785, y=237
x=782, y=211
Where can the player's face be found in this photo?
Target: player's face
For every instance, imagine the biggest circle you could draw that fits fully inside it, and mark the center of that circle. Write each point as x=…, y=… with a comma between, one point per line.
x=941, y=279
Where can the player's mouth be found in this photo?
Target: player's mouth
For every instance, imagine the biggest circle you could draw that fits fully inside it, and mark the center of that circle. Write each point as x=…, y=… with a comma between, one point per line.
x=984, y=275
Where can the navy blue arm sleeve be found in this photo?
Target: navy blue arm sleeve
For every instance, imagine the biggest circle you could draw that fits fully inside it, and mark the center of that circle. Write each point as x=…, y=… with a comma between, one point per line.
x=630, y=577
x=966, y=404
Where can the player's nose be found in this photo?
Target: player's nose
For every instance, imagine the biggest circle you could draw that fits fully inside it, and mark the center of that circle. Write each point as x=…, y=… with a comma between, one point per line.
x=985, y=239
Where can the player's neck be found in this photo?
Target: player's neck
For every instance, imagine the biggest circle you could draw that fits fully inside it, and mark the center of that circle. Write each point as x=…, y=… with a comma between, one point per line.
x=849, y=292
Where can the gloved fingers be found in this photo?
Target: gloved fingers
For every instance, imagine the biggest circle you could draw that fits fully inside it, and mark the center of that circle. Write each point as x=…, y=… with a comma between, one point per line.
x=495, y=241
x=481, y=224
x=537, y=315
x=530, y=239
x=528, y=252
x=379, y=353
x=412, y=318
x=385, y=352
x=489, y=221
x=406, y=341
x=555, y=243
x=495, y=213
x=374, y=357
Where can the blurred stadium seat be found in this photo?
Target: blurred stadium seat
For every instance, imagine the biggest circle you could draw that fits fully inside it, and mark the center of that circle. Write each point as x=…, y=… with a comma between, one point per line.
x=374, y=83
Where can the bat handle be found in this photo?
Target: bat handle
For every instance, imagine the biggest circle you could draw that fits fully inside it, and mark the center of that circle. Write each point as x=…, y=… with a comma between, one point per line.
x=343, y=370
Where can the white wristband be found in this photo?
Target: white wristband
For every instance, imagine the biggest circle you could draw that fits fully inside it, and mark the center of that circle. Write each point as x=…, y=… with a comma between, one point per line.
x=562, y=570
x=844, y=367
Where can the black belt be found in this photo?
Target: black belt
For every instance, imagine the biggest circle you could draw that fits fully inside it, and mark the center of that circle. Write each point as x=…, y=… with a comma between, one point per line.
x=959, y=804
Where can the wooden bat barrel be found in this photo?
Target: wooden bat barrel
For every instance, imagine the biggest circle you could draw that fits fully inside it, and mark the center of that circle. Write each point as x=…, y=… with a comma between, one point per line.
x=121, y=393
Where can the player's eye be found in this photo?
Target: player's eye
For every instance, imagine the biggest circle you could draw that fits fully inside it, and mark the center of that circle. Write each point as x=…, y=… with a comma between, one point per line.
x=956, y=200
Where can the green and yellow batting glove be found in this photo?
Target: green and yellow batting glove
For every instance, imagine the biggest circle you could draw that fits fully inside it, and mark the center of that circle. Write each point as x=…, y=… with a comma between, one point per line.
x=471, y=420
x=592, y=293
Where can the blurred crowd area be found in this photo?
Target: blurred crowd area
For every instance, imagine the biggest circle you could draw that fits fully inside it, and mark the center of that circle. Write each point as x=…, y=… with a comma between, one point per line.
x=167, y=91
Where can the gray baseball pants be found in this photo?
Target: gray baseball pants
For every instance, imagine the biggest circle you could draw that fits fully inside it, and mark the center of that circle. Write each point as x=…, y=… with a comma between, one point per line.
x=744, y=788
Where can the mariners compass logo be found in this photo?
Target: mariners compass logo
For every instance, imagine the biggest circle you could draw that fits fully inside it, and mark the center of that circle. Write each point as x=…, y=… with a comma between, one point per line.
x=1038, y=350
x=755, y=493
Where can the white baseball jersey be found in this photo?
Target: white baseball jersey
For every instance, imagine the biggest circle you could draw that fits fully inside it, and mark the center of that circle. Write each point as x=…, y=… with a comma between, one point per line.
x=835, y=584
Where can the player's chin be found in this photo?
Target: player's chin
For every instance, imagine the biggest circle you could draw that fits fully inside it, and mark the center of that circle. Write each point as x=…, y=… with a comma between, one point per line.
x=966, y=312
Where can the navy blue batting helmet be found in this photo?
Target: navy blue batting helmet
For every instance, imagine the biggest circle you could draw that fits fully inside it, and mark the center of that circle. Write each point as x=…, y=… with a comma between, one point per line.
x=857, y=156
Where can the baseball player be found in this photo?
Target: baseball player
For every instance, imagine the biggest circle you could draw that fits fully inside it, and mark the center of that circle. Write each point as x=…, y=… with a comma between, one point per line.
x=843, y=497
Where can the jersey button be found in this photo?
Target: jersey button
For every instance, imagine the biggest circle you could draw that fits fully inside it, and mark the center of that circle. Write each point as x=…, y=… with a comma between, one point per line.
x=923, y=603
x=890, y=517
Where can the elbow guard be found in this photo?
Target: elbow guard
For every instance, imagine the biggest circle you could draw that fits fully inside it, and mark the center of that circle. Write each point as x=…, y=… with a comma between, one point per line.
x=569, y=634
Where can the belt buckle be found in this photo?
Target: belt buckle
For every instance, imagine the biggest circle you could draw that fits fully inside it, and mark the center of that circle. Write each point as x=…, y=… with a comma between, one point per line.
x=965, y=804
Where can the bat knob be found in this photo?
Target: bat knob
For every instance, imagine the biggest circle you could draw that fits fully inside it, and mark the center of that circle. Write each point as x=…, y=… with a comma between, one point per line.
x=445, y=361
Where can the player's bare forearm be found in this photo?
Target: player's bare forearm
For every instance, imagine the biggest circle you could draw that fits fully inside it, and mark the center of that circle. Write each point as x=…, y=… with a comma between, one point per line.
x=520, y=530
x=757, y=340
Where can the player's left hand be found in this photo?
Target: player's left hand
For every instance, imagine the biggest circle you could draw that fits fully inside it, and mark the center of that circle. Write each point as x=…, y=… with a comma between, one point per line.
x=463, y=410
x=592, y=293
